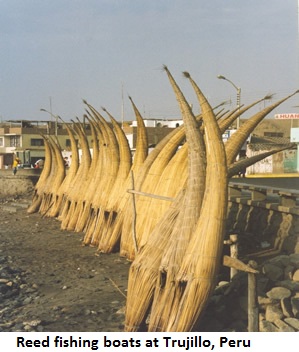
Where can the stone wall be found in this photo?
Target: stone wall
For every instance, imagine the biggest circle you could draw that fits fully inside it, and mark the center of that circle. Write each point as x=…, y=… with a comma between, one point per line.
x=16, y=185
x=264, y=227
x=277, y=299
x=268, y=233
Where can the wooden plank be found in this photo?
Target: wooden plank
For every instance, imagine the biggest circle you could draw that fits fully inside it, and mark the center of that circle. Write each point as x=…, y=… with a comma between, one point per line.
x=150, y=195
x=237, y=264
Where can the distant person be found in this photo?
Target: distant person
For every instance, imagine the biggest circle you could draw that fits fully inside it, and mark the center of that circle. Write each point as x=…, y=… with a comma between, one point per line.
x=15, y=165
x=66, y=161
x=242, y=172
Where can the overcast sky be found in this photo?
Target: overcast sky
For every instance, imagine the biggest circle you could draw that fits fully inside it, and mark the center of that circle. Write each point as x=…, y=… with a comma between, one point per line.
x=63, y=51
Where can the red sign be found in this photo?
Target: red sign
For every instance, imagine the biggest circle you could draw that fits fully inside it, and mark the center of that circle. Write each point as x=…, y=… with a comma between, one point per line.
x=286, y=116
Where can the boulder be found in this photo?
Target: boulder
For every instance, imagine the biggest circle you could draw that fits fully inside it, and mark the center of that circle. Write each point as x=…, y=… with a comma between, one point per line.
x=279, y=293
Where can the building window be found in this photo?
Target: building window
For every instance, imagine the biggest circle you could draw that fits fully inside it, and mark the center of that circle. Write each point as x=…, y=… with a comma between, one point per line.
x=37, y=142
x=1, y=142
x=273, y=134
x=15, y=141
x=68, y=142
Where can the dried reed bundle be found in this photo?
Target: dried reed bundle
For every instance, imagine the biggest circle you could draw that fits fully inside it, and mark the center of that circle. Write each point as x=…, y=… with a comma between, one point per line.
x=195, y=170
x=144, y=270
x=142, y=203
x=168, y=186
x=55, y=178
x=124, y=165
x=172, y=180
x=46, y=187
x=188, y=208
x=196, y=277
x=224, y=124
x=109, y=177
x=85, y=184
x=113, y=233
x=119, y=187
x=69, y=178
x=141, y=141
x=94, y=195
x=95, y=179
x=235, y=142
x=223, y=115
x=74, y=193
x=180, y=244
x=216, y=157
x=183, y=229
x=41, y=183
x=163, y=172
x=239, y=165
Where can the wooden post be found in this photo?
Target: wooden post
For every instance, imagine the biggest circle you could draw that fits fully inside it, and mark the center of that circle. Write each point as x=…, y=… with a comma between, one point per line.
x=134, y=215
x=234, y=252
x=253, y=321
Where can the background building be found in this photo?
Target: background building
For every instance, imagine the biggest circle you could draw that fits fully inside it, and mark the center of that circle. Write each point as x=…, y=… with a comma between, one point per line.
x=24, y=139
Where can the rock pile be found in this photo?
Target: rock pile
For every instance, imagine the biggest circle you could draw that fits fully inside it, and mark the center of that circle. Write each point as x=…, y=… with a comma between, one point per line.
x=14, y=294
x=277, y=298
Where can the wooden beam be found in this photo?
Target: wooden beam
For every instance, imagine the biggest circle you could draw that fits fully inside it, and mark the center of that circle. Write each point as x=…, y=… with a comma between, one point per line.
x=237, y=264
x=150, y=195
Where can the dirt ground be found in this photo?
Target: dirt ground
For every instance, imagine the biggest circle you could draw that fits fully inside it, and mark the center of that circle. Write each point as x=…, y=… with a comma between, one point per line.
x=52, y=282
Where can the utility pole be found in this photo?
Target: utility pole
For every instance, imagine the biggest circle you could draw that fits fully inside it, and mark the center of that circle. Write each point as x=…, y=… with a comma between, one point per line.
x=238, y=89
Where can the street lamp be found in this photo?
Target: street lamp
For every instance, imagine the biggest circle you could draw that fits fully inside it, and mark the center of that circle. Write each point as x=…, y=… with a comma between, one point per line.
x=238, y=89
x=56, y=120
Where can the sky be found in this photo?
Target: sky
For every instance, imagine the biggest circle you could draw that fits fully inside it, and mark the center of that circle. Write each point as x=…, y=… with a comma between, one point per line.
x=54, y=53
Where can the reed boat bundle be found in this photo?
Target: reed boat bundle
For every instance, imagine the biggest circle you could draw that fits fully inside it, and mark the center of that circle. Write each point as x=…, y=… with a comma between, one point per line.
x=141, y=140
x=108, y=217
x=110, y=238
x=235, y=142
x=80, y=181
x=42, y=181
x=226, y=121
x=181, y=226
x=109, y=207
x=196, y=272
x=168, y=289
x=92, y=191
x=139, y=171
x=145, y=268
x=171, y=286
x=94, y=195
x=241, y=164
x=55, y=178
x=59, y=200
x=176, y=250
x=71, y=198
x=79, y=201
x=146, y=220
x=109, y=171
x=172, y=180
x=148, y=185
